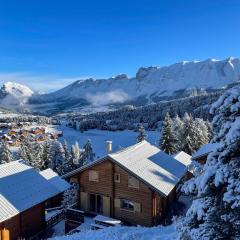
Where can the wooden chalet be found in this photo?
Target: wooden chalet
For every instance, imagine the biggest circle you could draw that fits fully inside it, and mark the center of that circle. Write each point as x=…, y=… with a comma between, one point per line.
x=203, y=152
x=23, y=194
x=136, y=185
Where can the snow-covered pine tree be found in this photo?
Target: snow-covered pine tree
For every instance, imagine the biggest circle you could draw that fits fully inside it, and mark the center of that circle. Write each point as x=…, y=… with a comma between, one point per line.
x=68, y=166
x=57, y=157
x=168, y=140
x=87, y=155
x=36, y=155
x=178, y=126
x=188, y=134
x=25, y=151
x=200, y=134
x=215, y=211
x=70, y=196
x=75, y=155
x=141, y=133
x=5, y=153
x=46, y=154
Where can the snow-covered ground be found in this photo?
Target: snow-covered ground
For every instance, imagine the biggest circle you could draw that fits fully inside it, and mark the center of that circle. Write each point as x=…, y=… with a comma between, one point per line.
x=126, y=233
x=120, y=139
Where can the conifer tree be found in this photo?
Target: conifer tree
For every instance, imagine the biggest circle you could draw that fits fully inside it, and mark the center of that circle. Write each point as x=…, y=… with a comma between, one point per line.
x=5, y=153
x=188, y=134
x=46, y=154
x=57, y=157
x=178, y=127
x=25, y=151
x=75, y=155
x=70, y=196
x=168, y=139
x=215, y=211
x=36, y=155
x=141, y=133
x=87, y=154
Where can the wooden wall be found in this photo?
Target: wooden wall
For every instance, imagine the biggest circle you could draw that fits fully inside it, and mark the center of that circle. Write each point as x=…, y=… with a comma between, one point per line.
x=107, y=187
x=153, y=207
x=13, y=225
x=105, y=184
x=143, y=196
x=33, y=220
x=27, y=223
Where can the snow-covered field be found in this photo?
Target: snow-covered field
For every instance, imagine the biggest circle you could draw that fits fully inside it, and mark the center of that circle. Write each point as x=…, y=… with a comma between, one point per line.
x=126, y=233
x=120, y=139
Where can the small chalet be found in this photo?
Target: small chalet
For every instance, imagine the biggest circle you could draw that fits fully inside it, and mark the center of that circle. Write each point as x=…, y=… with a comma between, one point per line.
x=135, y=185
x=203, y=152
x=23, y=194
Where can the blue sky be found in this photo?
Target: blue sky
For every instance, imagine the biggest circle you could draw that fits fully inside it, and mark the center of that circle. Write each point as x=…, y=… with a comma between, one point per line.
x=49, y=43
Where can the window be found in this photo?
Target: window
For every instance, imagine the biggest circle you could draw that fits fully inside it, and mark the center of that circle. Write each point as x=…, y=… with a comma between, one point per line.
x=117, y=177
x=93, y=176
x=133, y=182
x=126, y=204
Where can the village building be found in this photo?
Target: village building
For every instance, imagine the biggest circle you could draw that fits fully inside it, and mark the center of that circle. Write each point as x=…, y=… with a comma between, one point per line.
x=136, y=185
x=203, y=152
x=23, y=196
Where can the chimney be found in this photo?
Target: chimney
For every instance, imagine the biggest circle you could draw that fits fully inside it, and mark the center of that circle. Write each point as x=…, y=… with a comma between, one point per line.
x=109, y=147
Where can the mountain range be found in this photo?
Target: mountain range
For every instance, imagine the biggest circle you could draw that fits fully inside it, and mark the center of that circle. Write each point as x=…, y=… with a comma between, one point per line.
x=150, y=85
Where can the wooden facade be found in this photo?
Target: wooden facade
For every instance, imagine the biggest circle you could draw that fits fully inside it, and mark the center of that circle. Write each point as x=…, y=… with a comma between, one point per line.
x=106, y=185
x=27, y=223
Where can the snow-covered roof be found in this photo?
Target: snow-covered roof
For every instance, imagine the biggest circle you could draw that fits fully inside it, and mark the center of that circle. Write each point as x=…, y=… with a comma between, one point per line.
x=55, y=179
x=154, y=167
x=22, y=187
x=205, y=149
x=183, y=157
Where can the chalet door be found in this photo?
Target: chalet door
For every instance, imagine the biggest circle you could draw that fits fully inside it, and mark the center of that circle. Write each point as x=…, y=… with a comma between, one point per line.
x=96, y=203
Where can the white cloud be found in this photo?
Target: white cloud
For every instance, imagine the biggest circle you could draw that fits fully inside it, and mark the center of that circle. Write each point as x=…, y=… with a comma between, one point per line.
x=101, y=99
x=39, y=83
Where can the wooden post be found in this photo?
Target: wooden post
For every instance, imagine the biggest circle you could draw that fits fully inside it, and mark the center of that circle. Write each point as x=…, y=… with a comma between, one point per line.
x=5, y=234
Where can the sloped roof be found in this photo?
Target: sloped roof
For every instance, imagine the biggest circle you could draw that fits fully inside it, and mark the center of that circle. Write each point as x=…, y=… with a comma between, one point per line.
x=183, y=157
x=205, y=149
x=22, y=187
x=55, y=179
x=156, y=168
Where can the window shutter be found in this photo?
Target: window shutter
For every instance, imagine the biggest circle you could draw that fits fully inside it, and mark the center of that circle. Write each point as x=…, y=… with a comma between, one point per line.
x=93, y=176
x=84, y=201
x=137, y=207
x=133, y=182
x=117, y=203
x=106, y=206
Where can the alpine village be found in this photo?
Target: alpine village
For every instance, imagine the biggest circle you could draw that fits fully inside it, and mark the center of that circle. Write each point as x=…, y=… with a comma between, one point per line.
x=152, y=156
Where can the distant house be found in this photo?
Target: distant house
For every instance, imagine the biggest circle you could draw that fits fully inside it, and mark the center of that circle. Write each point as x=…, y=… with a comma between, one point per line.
x=136, y=185
x=23, y=194
x=203, y=152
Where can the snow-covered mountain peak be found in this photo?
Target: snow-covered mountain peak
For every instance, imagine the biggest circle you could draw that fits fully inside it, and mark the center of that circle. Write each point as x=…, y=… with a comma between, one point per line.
x=151, y=84
x=15, y=96
x=145, y=71
x=17, y=89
